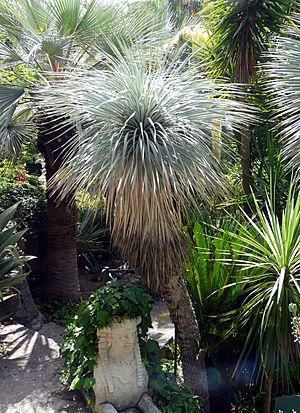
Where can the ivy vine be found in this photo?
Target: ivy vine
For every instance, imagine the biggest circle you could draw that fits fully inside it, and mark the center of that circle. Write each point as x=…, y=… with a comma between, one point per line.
x=80, y=346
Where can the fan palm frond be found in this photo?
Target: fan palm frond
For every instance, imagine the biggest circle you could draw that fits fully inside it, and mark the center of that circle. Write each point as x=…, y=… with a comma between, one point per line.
x=9, y=97
x=145, y=142
x=15, y=126
x=55, y=34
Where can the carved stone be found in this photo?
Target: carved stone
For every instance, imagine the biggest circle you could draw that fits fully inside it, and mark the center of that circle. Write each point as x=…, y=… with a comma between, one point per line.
x=121, y=377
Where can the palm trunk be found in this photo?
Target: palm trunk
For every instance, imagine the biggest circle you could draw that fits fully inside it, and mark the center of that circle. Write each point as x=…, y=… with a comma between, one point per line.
x=61, y=272
x=61, y=262
x=193, y=360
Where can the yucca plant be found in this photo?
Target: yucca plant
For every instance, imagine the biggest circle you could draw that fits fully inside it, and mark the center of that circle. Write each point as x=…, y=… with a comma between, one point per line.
x=11, y=261
x=143, y=140
x=48, y=37
x=270, y=271
x=240, y=32
x=283, y=84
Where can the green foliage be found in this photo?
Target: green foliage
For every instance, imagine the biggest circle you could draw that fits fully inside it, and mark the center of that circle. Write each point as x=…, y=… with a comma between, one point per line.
x=92, y=234
x=17, y=75
x=80, y=343
x=31, y=212
x=269, y=249
x=241, y=30
x=182, y=11
x=166, y=393
x=207, y=275
x=283, y=86
x=148, y=149
x=11, y=261
x=4, y=350
x=59, y=311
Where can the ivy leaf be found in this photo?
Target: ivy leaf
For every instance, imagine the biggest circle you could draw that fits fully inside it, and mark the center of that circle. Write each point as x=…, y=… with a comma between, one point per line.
x=103, y=318
x=88, y=383
x=130, y=294
x=77, y=383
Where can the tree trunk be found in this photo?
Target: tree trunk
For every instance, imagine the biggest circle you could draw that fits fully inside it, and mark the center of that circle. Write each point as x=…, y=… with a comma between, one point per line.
x=246, y=161
x=61, y=272
x=28, y=313
x=193, y=360
x=268, y=383
x=61, y=261
x=244, y=72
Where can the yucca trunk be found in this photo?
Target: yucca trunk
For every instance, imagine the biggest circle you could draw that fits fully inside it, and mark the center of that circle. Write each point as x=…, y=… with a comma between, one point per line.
x=61, y=272
x=267, y=386
x=246, y=161
x=245, y=70
x=192, y=358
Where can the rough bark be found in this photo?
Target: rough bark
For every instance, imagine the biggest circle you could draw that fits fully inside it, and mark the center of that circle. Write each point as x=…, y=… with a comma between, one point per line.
x=268, y=383
x=28, y=313
x=61, y=262
x=244, y=72
x=61, y=272
x=246, y=161
x=193, y=360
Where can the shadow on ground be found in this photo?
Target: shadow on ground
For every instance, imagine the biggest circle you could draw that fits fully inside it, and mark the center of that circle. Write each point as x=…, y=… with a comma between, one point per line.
x=29, y=381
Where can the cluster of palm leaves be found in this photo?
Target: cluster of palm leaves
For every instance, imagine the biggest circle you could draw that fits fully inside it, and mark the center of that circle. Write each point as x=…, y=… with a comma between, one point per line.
x=270, y=264
x=50, y=37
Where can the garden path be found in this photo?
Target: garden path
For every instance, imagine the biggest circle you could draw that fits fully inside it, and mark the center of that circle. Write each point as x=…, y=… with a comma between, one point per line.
x=29, y=380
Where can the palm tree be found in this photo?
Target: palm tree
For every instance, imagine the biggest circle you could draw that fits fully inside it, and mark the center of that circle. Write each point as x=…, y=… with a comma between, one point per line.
x=48, y=37
x=269, y=245
x=144, y=141
x=241, y=31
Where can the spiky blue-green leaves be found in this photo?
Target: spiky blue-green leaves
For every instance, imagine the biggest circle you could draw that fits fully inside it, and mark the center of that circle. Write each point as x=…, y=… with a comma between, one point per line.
x=283, y=73
x=144, y=140
x=52, y=36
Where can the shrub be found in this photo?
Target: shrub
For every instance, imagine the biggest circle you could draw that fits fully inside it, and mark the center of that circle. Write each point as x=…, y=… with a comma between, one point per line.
x=16, y=186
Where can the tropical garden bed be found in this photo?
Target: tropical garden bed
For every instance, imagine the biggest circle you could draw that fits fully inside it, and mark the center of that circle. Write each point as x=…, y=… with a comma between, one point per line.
x=150, y=150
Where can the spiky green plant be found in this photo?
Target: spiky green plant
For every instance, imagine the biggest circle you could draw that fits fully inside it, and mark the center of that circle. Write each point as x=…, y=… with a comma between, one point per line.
x=283, y=84
x=10, y=258
x=207, y=276
x=270, y=271
x=144, y=141
x=240, y=33
x=241, y=30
